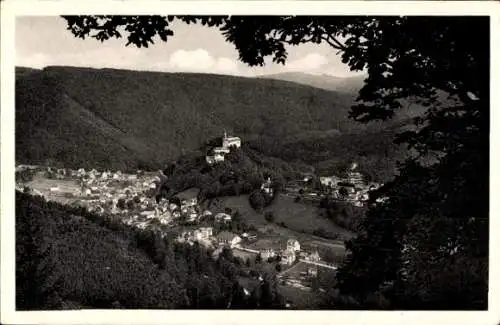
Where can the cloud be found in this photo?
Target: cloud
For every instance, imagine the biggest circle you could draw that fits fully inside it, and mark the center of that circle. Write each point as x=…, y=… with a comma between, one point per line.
x=309, y=63
x=104, y=57
x=200, y=60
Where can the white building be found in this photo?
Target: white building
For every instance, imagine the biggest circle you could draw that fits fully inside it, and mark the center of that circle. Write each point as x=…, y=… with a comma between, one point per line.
x=228, y=142
x=148, y=213
x=193, y=216
x=312, y=271
x=222, y=217
x=206, y=232
x=329, y=181
x=218, y=153
x=197, y=235
x=221, y=150
x=355, y=178
x=293, y=245
x=267, y=253
x=288, y=257
x=267, y=186
x=218, y=157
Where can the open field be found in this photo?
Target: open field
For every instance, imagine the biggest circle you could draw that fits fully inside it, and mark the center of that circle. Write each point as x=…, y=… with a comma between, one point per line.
x=303, y=217
x=297, y=216
x=274, y=235
x=67, y=188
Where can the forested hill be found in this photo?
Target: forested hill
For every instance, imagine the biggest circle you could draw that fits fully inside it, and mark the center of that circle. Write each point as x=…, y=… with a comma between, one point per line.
x=68, y=258
x=105, y=118
x=118, y=118
x=328, y=82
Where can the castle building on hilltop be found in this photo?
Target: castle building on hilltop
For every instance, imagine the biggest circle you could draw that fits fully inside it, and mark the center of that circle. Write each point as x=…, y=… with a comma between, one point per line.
x=218, y=153
x=267, y=187
x=228, y=142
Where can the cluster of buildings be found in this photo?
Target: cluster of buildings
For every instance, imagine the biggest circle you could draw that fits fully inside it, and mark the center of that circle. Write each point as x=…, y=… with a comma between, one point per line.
x=118, y=193
x=207, y=237
x=289, y=254
x=217, y=154
x=352, y=188
x=128, y=195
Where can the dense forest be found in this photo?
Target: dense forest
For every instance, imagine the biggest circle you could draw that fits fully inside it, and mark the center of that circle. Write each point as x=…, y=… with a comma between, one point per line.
x=68, y=258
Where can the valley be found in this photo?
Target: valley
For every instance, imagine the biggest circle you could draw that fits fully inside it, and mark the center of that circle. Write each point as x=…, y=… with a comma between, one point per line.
x=286, y=178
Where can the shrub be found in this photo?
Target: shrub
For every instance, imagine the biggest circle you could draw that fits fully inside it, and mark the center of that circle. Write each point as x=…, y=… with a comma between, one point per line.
x=121, y=203
x=269, y=216
x=257, y=200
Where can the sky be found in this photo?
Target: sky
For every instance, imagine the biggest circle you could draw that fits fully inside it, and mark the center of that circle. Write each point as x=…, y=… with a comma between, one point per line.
x=44, y=40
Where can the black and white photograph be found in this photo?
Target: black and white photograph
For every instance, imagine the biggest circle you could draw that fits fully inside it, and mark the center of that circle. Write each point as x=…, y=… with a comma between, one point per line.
x=278, y=162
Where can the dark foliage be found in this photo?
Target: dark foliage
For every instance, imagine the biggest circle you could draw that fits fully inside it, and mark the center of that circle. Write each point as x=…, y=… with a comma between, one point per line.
x=343, y=214
x=269, y=216
x=69, y=258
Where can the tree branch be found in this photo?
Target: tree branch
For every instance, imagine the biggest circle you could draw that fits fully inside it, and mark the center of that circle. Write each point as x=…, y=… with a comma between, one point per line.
x=333, y=42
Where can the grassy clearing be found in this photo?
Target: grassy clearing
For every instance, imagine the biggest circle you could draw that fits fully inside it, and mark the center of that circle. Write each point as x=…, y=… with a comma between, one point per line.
x=303, y=217
x=300, y=219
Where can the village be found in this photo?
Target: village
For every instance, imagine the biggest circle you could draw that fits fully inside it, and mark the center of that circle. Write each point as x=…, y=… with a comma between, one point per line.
x=131, y=198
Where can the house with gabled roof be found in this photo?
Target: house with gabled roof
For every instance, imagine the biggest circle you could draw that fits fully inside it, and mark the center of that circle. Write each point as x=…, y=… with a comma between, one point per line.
x=293, y=245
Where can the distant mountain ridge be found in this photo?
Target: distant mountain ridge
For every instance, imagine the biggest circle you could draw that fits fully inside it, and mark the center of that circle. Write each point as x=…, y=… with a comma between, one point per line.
x=346, y=85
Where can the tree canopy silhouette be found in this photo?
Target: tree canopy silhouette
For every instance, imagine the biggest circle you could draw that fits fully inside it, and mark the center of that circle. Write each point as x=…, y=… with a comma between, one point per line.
x=426, y=245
